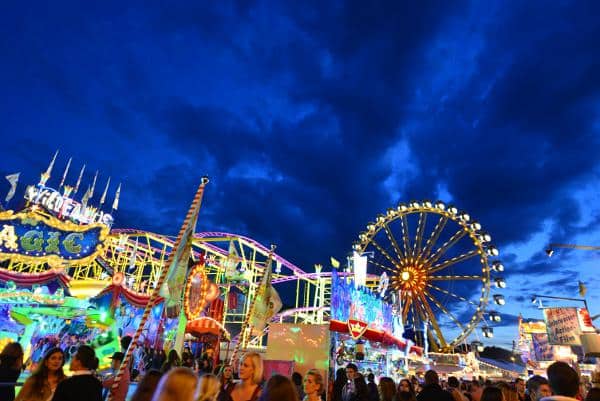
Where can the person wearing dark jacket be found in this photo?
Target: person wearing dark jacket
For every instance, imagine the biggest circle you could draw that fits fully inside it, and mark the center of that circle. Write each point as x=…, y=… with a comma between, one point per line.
x=83, y=381
x=372, y=388
x=11, y=365
x=432, y=391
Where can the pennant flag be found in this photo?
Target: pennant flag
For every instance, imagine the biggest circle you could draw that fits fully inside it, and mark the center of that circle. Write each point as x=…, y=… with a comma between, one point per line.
x=13, y=179
x=232, y=262
x=133, y=256
x=266, y=305
x=582, y=289
x=334, y=262
x=172, y=289
x=116, y=201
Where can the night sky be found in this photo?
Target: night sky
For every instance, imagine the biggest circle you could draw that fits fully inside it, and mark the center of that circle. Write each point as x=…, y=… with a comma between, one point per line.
x=313, y=117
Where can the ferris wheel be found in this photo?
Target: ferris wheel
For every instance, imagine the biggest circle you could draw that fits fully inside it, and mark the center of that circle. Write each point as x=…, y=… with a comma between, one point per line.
x=441, y=267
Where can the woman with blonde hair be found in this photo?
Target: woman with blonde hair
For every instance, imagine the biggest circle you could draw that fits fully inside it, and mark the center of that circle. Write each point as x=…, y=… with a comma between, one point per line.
x=250, y=373
x=313, y=385
x=209, y=387
x=40, y=386
x=178, y=384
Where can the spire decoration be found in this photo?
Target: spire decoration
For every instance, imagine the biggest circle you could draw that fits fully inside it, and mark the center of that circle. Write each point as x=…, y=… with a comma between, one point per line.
x=93, y=185
x=115, y=204
x=79, y=180
x=103, y=198
x=46, y=175
x=64, y=177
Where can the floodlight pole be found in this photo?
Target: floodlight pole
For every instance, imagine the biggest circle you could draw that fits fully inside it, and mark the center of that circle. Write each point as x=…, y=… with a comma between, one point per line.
x=562, y=298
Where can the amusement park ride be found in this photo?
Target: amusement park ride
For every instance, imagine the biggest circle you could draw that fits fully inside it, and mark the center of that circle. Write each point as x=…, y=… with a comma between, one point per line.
x=432, y=263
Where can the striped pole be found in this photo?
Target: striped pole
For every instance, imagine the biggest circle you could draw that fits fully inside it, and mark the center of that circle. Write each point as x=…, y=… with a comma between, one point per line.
x=247, y=327
x=185, y=232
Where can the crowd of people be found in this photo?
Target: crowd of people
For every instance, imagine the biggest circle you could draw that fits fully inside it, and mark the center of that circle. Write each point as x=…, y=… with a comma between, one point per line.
x=563, y=384
x=172, y=382
x=176, y=382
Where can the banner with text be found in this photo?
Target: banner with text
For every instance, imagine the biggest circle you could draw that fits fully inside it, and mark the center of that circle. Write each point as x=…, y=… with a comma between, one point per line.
x=562, y=325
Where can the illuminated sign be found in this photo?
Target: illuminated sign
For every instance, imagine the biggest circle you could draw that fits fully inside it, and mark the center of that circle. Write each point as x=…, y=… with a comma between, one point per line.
x=351, y=303
x=64, y=206
x=32, y=236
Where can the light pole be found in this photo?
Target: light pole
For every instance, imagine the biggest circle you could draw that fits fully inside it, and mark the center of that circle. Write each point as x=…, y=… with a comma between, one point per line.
x=535, y=297
x=551, y=247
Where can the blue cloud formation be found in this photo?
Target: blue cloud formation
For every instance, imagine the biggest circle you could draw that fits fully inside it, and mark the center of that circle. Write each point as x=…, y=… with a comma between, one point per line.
x=311, y=118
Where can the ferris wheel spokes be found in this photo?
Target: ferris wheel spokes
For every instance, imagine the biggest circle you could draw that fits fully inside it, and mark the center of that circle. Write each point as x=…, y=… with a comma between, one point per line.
x=447, y=245
x=393, y=241
x=384, y=252
x=435, y=234
x=454, y=260
x=419, y=235
x=405, y=236
x=451, y=294
x=454, y=278
x=445, y=310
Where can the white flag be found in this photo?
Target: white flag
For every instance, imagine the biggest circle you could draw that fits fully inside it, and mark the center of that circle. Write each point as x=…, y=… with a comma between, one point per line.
x=14, y=180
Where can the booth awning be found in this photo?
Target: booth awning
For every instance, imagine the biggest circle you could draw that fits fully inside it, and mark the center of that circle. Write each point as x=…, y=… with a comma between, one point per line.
x=206, y=325
x=379, y=336
x=26, y=279
x=136, y=299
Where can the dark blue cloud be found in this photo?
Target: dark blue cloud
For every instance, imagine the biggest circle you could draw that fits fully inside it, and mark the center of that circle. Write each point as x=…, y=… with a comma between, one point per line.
x=312, y=119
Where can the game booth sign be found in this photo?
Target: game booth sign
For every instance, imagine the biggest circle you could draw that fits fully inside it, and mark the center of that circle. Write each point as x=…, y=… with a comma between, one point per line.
x=362, y=326
x=565, y=334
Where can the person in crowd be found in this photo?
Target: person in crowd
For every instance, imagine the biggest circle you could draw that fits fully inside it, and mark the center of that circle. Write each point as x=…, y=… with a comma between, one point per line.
x=432, y=391
x=11, y=365
x=297, y=380
x=83, y=380
x=537, y=388
x=355, y=388
x=416, y=385
x=159, y=359
x=476, y=390
x=386, y=389
x=279, y=388
x=338, y=384
x=593, y=394
x=313, y=385
x=491, y=393
x=119, y=393
x=147, y=386
x=226, y=380
x=42, y=383
x=453, y=389
x=406, y=391
x=209, y=388
x=250, y=373
x=509, y=393
x=372, y=388
x=520, y=388
x=177, y=384
x=172, y=361
x=187, y=359
x=564, y=382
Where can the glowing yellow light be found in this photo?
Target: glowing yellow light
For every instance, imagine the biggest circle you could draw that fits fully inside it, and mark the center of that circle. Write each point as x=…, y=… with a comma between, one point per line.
x=405, y=275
